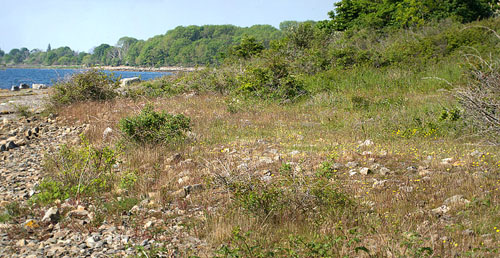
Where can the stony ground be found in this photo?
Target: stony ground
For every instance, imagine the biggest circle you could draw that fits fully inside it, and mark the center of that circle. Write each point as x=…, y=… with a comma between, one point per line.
x=66, y=230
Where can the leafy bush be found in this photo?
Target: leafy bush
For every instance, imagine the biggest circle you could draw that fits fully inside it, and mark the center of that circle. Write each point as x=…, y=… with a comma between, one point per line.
x=155, y=127
x=89, y=85
x=272, y=80
x=77, y=171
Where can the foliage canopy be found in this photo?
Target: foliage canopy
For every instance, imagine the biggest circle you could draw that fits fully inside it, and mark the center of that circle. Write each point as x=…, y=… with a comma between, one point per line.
x=406, y=13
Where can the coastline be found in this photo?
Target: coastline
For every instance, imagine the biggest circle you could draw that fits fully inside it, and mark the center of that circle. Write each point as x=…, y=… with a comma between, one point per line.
x=109, y=68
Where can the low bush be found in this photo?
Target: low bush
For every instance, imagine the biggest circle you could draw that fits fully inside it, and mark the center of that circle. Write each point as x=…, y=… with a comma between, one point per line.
x=150, y=126
x=89, y=85
x=287, y=198
x=77, y=171
x=271, y=80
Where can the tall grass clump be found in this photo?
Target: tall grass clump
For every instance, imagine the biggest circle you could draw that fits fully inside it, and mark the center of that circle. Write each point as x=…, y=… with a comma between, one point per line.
x=91, y=85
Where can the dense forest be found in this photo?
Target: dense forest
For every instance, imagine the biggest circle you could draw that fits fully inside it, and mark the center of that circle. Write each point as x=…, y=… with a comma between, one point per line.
x=187, y=46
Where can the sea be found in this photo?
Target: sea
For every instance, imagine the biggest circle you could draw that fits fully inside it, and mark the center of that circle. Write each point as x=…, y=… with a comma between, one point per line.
x=16, y=76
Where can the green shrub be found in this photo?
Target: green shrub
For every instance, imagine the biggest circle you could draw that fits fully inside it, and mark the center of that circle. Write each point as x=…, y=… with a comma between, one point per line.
x=77, y=171
x=270, y=81
x=89, y=85
x=150, y=126
x=288, y=198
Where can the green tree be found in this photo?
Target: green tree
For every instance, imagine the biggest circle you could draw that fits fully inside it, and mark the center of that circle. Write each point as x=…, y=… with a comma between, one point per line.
x=406, y=13
x=247, y=48
x=100, y=53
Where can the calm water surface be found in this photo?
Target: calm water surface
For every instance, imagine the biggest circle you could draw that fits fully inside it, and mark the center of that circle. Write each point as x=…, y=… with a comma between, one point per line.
x=9, y=77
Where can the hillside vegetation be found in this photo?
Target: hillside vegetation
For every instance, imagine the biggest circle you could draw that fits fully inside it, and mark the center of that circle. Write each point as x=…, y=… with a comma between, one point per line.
x=352, y=141
x=186, y=46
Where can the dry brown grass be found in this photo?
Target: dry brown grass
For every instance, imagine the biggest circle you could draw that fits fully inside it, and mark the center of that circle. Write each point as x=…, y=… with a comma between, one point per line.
x=397, y=218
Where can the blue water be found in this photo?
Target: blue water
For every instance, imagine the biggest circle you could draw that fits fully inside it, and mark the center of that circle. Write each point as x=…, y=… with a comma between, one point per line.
x=9, y=77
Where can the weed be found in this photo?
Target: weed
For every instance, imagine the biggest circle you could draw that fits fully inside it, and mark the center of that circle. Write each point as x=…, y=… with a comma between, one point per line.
x=23, y=110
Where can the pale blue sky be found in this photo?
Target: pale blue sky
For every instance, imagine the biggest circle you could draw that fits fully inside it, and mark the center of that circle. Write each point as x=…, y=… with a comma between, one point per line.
x=83, y=24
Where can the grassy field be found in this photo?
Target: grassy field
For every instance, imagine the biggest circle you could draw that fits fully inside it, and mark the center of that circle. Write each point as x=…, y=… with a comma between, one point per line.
x=313, y=204
x=356, y=159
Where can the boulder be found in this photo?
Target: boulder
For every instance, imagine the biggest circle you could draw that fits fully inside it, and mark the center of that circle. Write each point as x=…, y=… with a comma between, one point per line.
x=128, y=81
x=51, y=215
x=24, y=86
x=15, y=88
x=38, y=86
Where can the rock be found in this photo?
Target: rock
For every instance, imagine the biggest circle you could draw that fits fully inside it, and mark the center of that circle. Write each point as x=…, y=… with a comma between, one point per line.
x=28, y=133
x=24, y=86
x=30, y=224
x=351, y=164
x=15, y=88
x=148, y=224
x=21, y=243
x=440, y=211
x=128, y=81
x=193, y=188
x=337, y=166
x=468, y=232
x=446, y=161
x=365, y=171
x=424, y=172
x=51, y=215
x=406, y=189
x=379, y=184
x=366, y=143
x=90, y=242
x=384, y=171
x=79, y=213
x=106, y=133
x=11, y=145
x=412, y=169
x=124, y=240
x=456, y=201
x=183, y=180
x=265, y=160
x=38, y=86
x=353, y=172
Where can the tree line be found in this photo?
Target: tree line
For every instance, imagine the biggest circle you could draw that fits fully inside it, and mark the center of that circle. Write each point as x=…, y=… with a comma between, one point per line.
x=186, y=46
x=211, y=44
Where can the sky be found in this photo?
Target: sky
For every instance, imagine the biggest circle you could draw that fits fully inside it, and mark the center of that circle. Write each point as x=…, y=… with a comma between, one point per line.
x=84, y=24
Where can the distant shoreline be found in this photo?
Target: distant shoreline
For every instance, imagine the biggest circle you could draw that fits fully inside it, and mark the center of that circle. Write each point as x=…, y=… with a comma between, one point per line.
x=110, y=68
